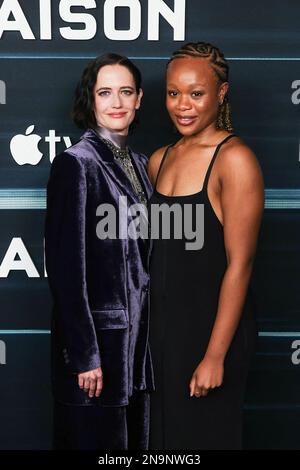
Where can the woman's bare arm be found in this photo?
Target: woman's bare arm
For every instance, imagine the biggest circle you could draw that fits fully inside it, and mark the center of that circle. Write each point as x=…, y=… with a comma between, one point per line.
x=242, y=202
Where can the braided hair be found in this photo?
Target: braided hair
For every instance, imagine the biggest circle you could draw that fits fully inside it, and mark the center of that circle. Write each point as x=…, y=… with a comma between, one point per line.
x=220, y=67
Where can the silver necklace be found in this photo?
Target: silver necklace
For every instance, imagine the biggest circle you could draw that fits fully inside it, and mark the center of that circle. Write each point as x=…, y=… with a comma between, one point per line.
x=124, y=159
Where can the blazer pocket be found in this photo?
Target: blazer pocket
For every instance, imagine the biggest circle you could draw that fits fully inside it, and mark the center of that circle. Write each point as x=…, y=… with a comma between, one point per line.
x=112, y=329
x=110, y=319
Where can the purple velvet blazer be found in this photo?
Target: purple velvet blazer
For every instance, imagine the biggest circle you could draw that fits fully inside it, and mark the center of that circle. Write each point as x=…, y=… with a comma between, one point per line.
x=100, y=287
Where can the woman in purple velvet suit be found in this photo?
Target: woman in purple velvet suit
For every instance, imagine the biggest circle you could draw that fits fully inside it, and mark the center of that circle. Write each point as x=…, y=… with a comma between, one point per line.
x=101, y=365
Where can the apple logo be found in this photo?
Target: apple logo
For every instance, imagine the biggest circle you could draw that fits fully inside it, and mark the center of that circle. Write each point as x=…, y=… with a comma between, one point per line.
x=24, y=148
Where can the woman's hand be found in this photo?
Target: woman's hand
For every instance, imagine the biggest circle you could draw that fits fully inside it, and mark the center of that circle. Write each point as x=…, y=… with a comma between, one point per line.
x=208, y=375
x=91, y=382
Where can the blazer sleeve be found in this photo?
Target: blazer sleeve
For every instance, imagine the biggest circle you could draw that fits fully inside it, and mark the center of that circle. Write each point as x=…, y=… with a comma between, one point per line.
x=65, y=253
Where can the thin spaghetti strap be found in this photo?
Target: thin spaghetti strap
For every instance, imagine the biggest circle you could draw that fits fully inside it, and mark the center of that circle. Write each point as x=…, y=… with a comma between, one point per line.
x=213, y=159
x=161, y=163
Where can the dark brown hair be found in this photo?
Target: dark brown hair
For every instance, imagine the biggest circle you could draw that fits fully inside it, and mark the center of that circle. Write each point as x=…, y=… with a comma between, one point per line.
x=83, y=107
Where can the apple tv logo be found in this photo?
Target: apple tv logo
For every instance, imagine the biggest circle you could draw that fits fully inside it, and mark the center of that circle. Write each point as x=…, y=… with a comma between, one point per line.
x=24, y=148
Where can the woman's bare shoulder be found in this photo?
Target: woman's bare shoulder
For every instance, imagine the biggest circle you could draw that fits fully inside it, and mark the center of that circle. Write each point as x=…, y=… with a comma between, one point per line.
x=237, y=154
x=239, y=162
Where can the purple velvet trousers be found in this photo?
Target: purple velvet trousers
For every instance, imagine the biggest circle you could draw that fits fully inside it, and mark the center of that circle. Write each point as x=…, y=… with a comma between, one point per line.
x=103, y=427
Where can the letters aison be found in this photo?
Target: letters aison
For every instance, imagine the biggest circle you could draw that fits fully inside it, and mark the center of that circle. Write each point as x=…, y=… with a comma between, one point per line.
x=14, y=18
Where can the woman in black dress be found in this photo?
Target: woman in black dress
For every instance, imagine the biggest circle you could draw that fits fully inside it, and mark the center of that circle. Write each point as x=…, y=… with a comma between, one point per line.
x=202, y=329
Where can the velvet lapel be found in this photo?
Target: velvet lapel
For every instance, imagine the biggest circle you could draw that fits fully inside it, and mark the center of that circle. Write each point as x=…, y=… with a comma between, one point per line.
x=142, y=173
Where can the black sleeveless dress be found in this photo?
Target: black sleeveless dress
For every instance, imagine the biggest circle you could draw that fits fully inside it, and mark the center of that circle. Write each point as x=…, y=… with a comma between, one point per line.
x=185, y=287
